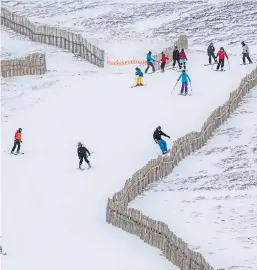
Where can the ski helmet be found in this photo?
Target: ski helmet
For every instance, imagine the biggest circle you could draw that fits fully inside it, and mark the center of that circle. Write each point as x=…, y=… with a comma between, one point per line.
x=222, y=48
x=183, y=71
x=159, y=127
x=137, y=68
x=243, y=43
x=20, y=129
x=79, y=144
x=150, y=52
x=182, y=50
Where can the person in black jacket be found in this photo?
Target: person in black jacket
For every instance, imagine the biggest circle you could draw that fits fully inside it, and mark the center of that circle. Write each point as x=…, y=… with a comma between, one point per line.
x=210, y=52
x=157, y=136
x=82, y=154
x=175, y=56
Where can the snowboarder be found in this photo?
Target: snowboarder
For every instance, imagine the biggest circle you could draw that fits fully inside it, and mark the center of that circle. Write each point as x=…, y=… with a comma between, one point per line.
x=17, y=141
x=163, y=60
x=140, y=75
x=210, y=53
x=221, y=54
x=175, y=57
x=185, y=79
x=149, y=60
x=157, y=136
x=82, y=154
x=246, y=53
x=182, y=59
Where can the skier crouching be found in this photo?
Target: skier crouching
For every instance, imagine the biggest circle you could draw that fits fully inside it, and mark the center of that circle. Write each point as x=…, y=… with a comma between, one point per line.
x=82, y=154
x=157, y=136
x=185, y=79
x=140, y=75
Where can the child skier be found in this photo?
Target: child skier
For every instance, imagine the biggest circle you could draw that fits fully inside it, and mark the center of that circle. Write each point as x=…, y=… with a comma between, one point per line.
x=246, y=53
x=175, y=57
x=82, y=154
x=221, y=54
x=140, y=75
x=185, y=79
x=149, y=60
x=17, y=141
x=210, y=53
x=163, y=60
x=157, y=136
x=182, y=59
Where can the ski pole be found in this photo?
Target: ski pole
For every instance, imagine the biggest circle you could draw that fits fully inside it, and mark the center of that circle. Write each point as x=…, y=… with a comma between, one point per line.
x=228, y=65
x=174, y=87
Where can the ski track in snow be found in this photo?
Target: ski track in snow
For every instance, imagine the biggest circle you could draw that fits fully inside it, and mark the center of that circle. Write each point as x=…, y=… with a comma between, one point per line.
x=210, y=199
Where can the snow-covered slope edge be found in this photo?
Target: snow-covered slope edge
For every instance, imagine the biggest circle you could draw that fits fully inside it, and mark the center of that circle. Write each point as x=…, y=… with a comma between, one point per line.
x=53, y=36
x=154, y=232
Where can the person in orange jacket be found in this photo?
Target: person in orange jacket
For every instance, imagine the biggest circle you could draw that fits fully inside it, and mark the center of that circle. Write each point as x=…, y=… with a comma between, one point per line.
x=221, y=54
x=17, y=141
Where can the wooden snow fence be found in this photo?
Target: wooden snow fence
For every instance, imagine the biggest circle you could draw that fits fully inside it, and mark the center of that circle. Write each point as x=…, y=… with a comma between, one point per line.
x=33, y=64
x=72, y=42
x=157, y=233
x=181, y=43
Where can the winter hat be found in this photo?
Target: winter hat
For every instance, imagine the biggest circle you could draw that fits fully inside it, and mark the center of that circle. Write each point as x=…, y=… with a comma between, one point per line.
x=182, y=50
x=211, y=43
x=183, y=71
x=159, y=127
x=137, y=68
x=222, y=48
x=20, y=129
x=243, y=43
x=150, y=52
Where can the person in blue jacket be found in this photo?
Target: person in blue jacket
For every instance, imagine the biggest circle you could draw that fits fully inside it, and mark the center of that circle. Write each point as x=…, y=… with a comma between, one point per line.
x=140, y=75
x=149, y=60
x=185, y=79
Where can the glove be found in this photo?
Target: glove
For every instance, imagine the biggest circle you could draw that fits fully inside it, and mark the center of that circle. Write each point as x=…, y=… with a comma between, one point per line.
x=186, y=59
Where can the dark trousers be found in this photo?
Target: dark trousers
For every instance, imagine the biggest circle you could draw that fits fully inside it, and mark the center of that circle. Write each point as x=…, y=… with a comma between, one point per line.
x=211, y=55
x=16, y=143
x=148, y=65
x=81, y=160
x=246, y=55
x=162, y=66
x=221, y=63
x=174, y=62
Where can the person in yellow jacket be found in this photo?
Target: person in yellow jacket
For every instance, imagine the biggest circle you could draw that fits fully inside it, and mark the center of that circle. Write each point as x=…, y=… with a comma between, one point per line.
x=140, y=76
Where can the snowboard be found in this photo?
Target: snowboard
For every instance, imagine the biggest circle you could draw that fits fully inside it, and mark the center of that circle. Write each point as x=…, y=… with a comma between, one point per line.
x=137, y=85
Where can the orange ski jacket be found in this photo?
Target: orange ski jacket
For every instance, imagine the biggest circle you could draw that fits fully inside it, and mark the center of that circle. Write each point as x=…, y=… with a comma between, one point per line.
x=17, y=136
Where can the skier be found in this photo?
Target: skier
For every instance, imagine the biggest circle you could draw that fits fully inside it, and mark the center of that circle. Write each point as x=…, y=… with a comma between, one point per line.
x=210, y=53
x=185, y=79
x=157, y=136
x=140, y=75
x=221, y=54
x=149, y=60
x=82, y=154
x=246, y=53
x=182, y=59
x=175, y=57
x=17, y=141
x=163, y=60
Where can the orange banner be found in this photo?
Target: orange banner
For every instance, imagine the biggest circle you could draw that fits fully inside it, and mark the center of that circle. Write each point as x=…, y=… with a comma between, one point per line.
x=126, y=62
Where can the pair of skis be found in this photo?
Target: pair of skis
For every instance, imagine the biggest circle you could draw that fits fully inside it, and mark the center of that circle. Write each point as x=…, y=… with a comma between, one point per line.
x=137, y=85
x=16, y=154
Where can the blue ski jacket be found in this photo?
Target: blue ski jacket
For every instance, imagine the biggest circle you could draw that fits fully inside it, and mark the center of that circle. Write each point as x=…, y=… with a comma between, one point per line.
x=149, y=58
x=139, y=73
x=185, y=77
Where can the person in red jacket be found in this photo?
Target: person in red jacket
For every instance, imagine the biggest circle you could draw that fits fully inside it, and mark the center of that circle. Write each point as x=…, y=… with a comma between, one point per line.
x=221, y=54
x=182, y=59
x=17, y=141
x=163, y=60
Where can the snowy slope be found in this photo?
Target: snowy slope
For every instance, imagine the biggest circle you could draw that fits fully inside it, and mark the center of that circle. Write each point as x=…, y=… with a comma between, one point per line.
x=210, y=199
x=143, y=25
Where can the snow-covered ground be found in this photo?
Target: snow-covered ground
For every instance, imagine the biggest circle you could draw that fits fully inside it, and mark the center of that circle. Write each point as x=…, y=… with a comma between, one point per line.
x=140, y=26
x=210, y=199
x=53, y=216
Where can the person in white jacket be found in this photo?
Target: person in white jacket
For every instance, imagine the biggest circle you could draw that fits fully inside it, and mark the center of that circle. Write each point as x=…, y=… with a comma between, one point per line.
x=246, y=53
